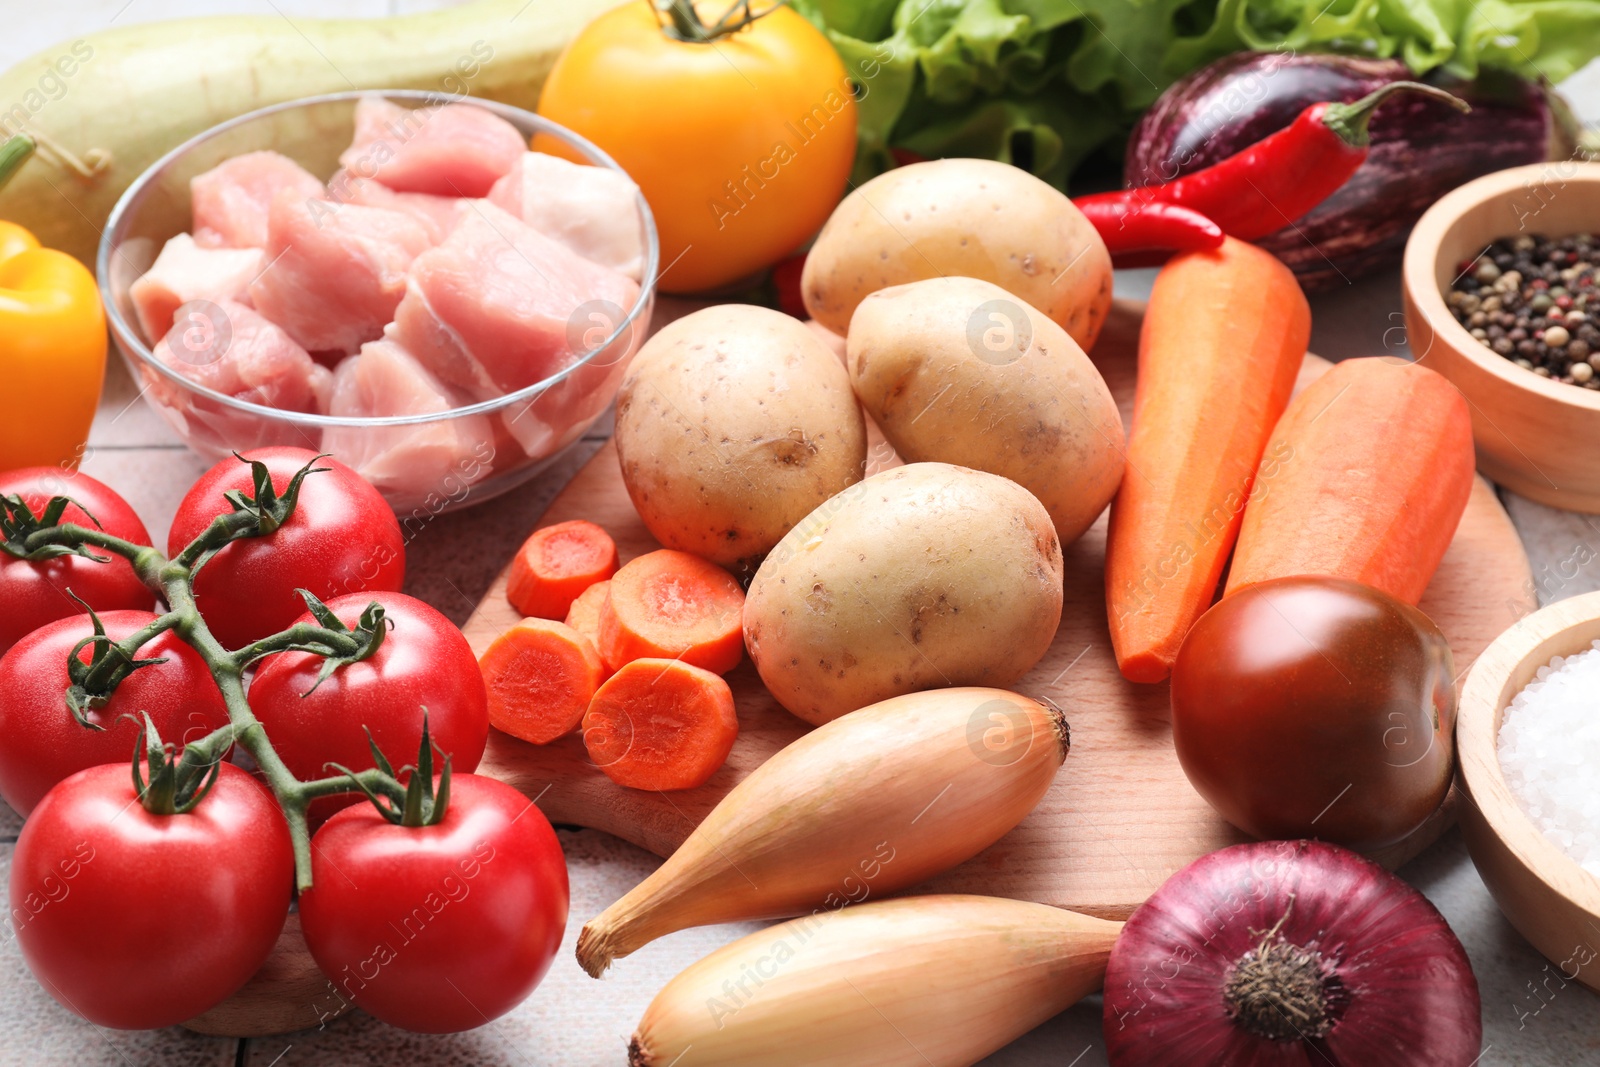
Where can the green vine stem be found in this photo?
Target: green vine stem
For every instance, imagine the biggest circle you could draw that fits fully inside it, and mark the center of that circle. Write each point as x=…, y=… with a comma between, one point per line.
x=14, y=151
x=173, y=581
x=682, y=22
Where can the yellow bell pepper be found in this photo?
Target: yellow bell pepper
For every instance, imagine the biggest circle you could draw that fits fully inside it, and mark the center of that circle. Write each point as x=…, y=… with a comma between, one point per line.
x=52, y=344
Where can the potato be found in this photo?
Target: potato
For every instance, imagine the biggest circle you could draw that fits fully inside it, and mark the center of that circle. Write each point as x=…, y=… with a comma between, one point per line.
x=960, y=371
x=970, y=217
x=733, y=423
x=919, y=577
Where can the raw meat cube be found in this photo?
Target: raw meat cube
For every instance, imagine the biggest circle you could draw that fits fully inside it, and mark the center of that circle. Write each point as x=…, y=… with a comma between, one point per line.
x=555, y=417
x=230, y=201
x=454, y=150
x=183, y=272
x=335, y=272
x=408, y=463
x=592, y=210
x=437, y=213
x=230, y=349
x=500, y=306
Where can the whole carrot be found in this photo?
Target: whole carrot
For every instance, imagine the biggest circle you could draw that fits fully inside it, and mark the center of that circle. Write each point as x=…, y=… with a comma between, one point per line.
x=1223, y=339
x=1365, y=478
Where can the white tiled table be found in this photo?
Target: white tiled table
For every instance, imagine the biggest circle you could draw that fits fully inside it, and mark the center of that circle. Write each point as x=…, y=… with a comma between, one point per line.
x=572, y=1020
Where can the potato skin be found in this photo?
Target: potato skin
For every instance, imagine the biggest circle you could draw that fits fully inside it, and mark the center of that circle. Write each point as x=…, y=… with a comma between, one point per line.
x=976, y=218
x=960, y=371
x=919, y=577
x=733, y=423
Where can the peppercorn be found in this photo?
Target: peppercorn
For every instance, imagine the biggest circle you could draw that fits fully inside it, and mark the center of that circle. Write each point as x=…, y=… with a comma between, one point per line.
x=1534, y=301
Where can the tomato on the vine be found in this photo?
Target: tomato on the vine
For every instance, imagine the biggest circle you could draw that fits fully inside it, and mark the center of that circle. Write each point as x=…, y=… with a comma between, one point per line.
x=342, y=537
x=34, y=592
x=424, y=663
x=741, y=145
x=438, y=928
x=41, y=743
x=138, y=921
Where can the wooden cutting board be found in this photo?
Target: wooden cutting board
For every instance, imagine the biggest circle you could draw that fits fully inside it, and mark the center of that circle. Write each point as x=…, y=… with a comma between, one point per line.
x=1121, y=816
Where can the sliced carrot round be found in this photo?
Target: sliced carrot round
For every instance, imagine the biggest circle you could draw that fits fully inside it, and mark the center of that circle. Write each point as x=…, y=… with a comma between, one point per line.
x=661, y=724
x=673, y=605
x=540, y=675
x=584, y=615
x=556, y=565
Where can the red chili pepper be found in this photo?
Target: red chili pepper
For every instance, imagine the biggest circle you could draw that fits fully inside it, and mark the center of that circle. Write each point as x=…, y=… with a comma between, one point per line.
x=786, y=281
x=1134, y=230
x=1281, y=177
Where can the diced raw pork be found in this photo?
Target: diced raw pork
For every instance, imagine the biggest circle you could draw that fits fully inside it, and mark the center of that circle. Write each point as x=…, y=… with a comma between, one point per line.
x=231, y=201
x=437, y=213
x=556, y=416
x=454, y=150
x=335, y=272
x=408, y=463
x=497, y=306
x=183, y=272
x=592, y=210
x=230, y=349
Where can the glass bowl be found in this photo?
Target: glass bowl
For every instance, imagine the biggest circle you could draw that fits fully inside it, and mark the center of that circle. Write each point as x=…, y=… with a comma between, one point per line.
x=514, y=436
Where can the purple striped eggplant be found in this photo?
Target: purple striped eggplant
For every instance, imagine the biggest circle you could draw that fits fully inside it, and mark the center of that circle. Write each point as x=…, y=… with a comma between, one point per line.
x=1421, y=148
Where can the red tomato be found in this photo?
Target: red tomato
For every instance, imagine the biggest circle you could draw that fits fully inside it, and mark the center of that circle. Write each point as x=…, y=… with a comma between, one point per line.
x=41, y=743
x=438, y=928
x=138, y=921
x=341, y=538
x=424, y=662
x=35, y=593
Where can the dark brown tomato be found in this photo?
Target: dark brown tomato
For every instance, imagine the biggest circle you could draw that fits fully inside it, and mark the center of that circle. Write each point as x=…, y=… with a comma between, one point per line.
x=1316, y=707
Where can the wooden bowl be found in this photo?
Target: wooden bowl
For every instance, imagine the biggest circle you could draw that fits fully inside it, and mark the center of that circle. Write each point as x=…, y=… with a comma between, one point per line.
x=1551, y=900
x=1535, y=436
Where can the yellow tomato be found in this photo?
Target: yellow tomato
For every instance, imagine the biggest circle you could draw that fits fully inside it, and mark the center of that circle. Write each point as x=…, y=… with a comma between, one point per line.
x=741, y=144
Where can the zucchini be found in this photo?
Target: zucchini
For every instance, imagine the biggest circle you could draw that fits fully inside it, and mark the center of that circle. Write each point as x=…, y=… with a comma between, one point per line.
x=107, y=105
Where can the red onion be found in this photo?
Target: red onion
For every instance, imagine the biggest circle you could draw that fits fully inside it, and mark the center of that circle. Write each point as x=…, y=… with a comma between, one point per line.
x=1283, y=953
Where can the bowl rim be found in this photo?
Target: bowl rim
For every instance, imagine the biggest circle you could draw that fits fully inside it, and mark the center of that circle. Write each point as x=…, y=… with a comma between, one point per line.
x=1422, y=254
x=129, y=340
x=1480, y=712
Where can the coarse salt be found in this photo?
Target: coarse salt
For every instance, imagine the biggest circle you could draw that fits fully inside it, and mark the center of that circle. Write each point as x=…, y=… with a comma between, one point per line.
x=1550, y=752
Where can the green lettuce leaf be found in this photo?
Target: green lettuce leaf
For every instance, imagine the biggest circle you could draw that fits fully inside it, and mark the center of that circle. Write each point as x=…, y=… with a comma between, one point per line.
x=1046, y=83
